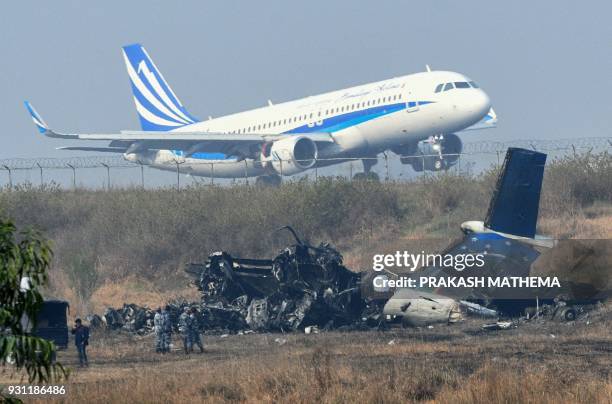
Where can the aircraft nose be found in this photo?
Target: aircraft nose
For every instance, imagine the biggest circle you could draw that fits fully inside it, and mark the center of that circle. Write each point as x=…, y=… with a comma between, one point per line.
x=480, y=104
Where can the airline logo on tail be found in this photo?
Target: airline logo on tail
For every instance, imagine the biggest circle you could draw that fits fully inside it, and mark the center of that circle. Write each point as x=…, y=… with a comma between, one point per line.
x=159, y=109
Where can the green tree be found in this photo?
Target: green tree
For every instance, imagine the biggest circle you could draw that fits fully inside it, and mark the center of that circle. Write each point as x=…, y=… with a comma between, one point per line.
x=24, y=255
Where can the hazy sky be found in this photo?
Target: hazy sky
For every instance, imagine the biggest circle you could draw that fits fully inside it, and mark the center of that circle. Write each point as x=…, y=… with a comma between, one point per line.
x=547, y=65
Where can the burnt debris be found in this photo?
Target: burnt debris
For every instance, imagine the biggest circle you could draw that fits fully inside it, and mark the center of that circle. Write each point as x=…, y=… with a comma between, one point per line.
x=303, y=288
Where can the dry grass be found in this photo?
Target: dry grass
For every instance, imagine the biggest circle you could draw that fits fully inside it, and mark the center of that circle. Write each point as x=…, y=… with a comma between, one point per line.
x=549, y=363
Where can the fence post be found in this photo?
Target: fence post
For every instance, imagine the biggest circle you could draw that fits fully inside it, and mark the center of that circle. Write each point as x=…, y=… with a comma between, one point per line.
x=178, y=176
x=281, y=170
x=41, y=174
x=141, y=173
x=10, y=176
x=212, y=173
x=108, y=184
x=386, y=165
x=351, y=170
x=73, y=176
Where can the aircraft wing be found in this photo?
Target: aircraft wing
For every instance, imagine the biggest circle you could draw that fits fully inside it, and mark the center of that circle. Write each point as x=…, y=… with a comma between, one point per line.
x=192, y=141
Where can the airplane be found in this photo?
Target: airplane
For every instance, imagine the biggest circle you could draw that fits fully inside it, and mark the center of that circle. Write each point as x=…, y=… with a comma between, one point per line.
x=507, y=238
x=511, y=248
x=418, y=115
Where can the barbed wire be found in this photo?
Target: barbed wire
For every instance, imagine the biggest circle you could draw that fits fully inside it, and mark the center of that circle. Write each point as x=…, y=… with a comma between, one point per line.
x=469, y=148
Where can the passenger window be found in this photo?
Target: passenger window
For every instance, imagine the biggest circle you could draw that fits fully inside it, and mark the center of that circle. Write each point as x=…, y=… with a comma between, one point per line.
x=448, y=86
x=461, y=84
x=439, y=87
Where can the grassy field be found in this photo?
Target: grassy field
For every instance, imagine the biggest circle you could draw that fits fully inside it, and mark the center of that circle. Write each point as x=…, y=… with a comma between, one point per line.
x=535, y=363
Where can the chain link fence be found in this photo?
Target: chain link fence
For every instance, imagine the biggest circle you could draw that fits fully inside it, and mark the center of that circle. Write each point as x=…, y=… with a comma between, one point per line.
x=112, y=171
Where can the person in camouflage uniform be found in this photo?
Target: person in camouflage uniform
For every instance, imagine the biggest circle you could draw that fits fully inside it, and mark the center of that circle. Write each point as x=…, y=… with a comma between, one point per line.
x=166, y=329
x=157, y=327
x=194, y=331
x=185, y=330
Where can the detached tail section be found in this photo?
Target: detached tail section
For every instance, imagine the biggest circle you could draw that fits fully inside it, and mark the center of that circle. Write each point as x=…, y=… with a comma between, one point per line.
x=515, y=202
x=159, y=109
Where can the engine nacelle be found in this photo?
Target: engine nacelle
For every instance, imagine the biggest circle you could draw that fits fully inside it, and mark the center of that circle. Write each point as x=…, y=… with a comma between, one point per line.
x=292, y=155
x=433, y=154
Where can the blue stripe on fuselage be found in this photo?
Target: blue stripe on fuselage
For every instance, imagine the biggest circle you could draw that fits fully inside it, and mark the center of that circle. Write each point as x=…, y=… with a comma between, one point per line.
x=343, y=121
x=331, y=124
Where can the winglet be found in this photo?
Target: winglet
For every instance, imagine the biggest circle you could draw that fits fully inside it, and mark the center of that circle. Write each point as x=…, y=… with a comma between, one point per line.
x=38, y=121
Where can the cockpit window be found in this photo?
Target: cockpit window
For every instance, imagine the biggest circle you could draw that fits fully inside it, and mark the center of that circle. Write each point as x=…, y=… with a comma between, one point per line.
x=439, y=87
x=473, y=84
x=448, y=86
x=461, y=84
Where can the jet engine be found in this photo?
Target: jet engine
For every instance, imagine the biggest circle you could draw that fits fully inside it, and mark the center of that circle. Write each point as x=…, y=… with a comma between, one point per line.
x=433, y=154
x=292, y=155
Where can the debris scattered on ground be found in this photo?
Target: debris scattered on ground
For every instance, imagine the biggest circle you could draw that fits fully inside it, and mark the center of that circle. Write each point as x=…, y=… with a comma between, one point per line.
x=500, y=325
x=303, y=288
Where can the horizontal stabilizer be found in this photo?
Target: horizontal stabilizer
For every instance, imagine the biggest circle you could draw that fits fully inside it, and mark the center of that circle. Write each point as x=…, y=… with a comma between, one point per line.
x=516, y=199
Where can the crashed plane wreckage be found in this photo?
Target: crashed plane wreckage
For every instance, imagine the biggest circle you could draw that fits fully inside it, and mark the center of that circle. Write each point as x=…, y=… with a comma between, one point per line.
x=308, y=288
x=511, y=250
x=303, y=286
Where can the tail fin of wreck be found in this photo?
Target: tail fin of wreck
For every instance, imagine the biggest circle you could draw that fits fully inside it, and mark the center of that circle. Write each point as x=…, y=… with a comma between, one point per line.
x=516, y=199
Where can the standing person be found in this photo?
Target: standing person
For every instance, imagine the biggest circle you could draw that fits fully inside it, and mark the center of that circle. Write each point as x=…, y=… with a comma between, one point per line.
x=157, y=327
x=166, y=329
x=81, y=340
x=194, y=330
x=185, y=329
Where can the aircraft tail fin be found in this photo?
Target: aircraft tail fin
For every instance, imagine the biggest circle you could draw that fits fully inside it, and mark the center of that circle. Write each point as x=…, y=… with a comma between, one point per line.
x=516, y=199
x=159, y=109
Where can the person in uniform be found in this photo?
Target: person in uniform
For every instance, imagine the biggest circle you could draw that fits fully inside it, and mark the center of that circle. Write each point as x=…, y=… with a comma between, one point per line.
x=157, y=327
x=194, y=330
x=81, y=340
x=166, y=329
x=185, y=330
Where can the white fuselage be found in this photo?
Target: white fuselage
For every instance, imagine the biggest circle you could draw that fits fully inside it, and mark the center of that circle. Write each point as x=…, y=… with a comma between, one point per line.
x=363, y=121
